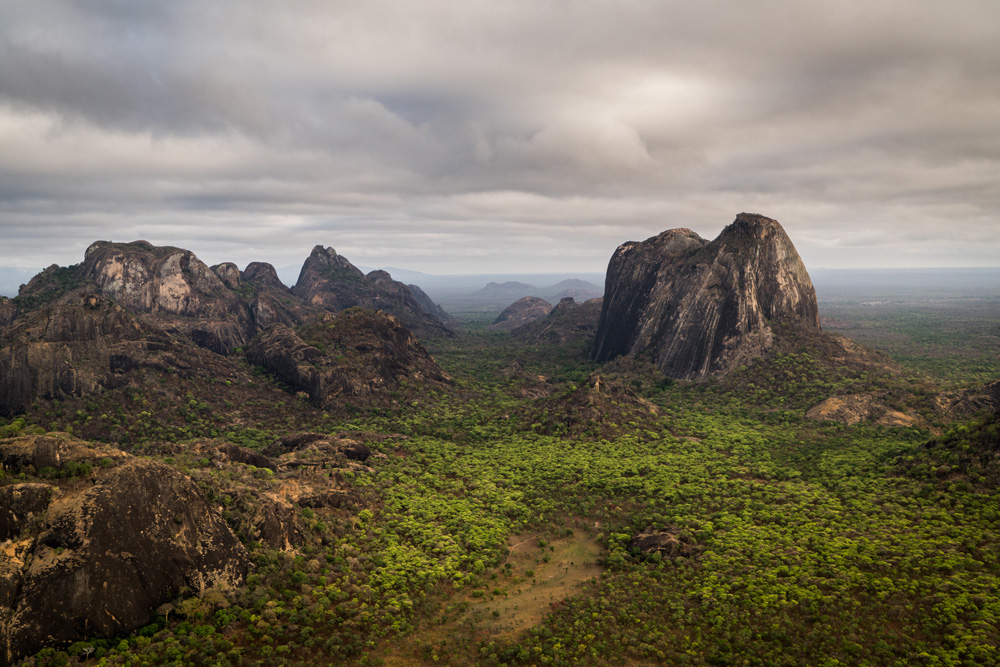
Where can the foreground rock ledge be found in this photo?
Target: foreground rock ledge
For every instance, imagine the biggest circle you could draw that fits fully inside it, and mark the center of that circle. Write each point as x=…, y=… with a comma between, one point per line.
x=97, y=560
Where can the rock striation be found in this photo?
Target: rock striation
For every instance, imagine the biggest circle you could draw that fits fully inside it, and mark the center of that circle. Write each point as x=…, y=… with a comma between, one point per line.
x=98, y=559
x=703, y=308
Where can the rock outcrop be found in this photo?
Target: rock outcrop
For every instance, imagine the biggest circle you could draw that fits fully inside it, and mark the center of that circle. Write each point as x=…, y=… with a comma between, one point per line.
x=857, y=408
x=364, y=353
x=79, y=330
x=72, y=347
x=567, y=322
x=329, y=281
x=98, y=559
x=701, y=309
x=523, y=311
x=597, y=408
x=174, y=286
x=8, y=311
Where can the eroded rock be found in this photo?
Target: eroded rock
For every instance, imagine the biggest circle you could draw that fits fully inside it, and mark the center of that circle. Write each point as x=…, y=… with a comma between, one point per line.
x=700, y=308
x=106, y=555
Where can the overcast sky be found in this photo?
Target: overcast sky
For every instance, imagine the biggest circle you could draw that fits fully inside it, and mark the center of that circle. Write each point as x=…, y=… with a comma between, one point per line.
x=510, y=135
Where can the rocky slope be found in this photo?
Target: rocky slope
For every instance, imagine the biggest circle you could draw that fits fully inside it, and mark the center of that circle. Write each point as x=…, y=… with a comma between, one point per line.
x=523, y=311
x=84, y=329
x=329, y=281
x=701, y=308
x=355, y=353
x=568, y=322
x=96, y=557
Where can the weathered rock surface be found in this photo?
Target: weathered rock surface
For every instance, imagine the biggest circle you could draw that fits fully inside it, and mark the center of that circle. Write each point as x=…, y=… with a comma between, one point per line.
x=229, y=274
x=666, y=543
x=364, y=353
x=428, y=304
x=567, y=322
x=176, y=287
x=8, y=311
x=700, y=308
x=330, y=282
x=970, y=401
x=79, y=330
x=105, y=555
x=857, y=408
x=69, y=348
x=523, y=311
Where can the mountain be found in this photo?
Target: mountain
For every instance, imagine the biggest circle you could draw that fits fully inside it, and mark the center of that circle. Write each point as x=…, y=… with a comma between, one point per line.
x=699, y=308
x=331, y=282
x=134, y=310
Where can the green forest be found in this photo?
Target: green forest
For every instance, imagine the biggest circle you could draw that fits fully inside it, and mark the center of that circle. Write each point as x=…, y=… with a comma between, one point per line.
x=496, y=522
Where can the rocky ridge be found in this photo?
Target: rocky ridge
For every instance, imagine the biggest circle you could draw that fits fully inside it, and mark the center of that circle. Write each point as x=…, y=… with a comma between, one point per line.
x=80, y=330
x=703, y=308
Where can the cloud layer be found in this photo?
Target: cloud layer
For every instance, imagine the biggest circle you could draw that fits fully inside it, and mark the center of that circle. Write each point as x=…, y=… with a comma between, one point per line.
x=498, y=136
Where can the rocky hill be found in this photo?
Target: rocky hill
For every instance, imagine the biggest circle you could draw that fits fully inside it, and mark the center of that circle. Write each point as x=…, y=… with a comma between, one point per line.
x=131, y=309
x=703, y=308
x=98, y=558
x=523, y=311
x=329, y=281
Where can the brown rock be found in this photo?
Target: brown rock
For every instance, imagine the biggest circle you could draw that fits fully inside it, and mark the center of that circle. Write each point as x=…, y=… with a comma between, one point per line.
x=857, y=408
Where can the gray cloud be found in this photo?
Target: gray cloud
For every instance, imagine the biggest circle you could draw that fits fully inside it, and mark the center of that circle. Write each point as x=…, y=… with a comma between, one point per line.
x=491, y=136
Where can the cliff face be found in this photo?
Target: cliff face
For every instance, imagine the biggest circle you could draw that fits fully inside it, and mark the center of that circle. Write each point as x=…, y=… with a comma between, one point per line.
x=700, y=308
x=174, y=286
x=78, y=330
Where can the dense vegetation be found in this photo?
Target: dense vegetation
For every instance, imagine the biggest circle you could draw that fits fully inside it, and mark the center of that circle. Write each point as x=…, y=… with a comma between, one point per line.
x=805, y=543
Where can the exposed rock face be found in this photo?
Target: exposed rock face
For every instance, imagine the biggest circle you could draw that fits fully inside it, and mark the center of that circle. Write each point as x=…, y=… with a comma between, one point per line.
x=229, y=274
x=330, y=282
x=666, y=543
x=102, y=559
x=262, y=274
x=366, y=354
x=969, y=402
x=858, y=408
x=78, y=330
x=8, y=311
x=428, y=304
x=521, y=312
x=701, y=308
x=70, y=348
x=174, y=285
x=567, y=322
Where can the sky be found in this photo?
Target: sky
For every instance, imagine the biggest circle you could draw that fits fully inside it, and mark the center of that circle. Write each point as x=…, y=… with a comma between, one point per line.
x=500, y=136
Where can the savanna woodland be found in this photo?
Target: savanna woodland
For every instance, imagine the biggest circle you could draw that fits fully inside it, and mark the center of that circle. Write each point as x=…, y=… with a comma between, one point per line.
x=341, y=474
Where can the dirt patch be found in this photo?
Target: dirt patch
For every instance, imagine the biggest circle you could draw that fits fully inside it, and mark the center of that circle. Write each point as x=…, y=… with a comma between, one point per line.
x=539, y=573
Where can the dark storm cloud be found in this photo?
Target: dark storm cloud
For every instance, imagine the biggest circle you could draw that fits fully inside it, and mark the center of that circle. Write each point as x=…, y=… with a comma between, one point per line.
x=495, y=136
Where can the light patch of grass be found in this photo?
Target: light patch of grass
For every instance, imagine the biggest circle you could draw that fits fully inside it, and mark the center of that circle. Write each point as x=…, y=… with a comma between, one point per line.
x=571, y=561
